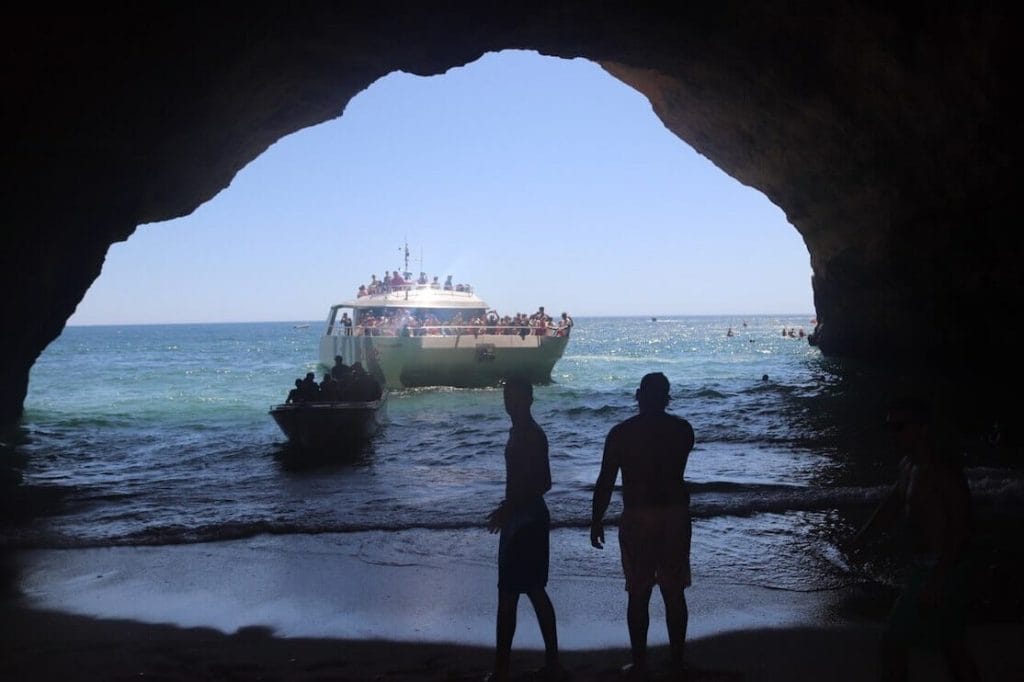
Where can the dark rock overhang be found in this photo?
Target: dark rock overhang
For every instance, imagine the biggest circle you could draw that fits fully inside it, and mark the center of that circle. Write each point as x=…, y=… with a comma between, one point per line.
x=883, y=135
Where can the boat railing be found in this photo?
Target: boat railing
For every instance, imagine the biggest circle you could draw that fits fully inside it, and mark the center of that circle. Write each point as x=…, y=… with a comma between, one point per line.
x=455, y=330
x=458, y=289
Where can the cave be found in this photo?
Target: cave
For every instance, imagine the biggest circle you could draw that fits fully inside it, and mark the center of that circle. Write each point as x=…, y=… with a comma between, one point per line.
x=880, y=132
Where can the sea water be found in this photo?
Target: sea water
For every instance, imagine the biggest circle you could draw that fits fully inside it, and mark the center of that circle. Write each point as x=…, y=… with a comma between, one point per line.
x=158, y=435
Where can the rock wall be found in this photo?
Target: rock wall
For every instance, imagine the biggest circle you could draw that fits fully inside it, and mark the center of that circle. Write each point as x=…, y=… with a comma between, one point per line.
x=884, y=136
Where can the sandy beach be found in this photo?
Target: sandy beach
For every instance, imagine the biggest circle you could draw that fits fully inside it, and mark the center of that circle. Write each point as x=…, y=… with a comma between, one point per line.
x=341, y=607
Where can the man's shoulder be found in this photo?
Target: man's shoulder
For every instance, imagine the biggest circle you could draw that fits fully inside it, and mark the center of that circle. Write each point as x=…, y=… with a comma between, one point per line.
x=645, y=418
x=646, y=422
x=622, y=427
x=680, y=421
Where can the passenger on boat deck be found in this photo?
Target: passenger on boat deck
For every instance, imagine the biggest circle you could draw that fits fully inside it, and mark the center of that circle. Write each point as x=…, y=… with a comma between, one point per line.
x=423, y=278
x=448, y=283
x=435, y=284
x=362, y=291
x=565, y=326
x=346, y=323
x=396, y=279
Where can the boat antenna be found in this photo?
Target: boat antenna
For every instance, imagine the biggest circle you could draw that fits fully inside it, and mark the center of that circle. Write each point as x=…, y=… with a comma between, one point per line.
x=405, y=272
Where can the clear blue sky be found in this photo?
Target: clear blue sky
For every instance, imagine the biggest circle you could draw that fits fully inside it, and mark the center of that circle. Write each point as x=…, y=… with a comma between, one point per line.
x=539, y=181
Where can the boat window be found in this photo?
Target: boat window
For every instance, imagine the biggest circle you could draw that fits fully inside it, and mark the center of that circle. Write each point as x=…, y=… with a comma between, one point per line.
x=330, y=320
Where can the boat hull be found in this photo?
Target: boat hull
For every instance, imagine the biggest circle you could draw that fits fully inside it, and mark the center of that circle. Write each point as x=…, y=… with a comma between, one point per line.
x=461, y=360
x=330, y=425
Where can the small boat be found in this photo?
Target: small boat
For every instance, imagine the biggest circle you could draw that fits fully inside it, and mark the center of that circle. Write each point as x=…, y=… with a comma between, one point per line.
x=320, y=425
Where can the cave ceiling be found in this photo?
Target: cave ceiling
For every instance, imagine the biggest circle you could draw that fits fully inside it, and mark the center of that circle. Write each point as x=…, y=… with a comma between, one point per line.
x=881, y=133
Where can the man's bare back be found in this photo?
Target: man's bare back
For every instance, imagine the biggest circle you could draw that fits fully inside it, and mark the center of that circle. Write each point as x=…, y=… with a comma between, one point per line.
x=936, y=506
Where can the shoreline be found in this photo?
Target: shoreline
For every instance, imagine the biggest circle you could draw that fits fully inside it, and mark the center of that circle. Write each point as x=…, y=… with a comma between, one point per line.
x=327, y=608
x=43, y=646
x=375, y=585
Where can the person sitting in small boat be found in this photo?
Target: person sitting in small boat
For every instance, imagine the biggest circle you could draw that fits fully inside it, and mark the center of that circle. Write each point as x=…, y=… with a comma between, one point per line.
x=295, y=395
x=310, y=392
x=340, y=370
x=363, y=387
x=329, y=390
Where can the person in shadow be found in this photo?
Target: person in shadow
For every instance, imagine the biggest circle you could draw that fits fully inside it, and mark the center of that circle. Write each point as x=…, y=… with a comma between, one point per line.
x=651, y=448
x=932, y=496
x=295, y=395
x=330, y=390
x=523, y=520
x=363, y=387
x=340, y=371
x=309, y=389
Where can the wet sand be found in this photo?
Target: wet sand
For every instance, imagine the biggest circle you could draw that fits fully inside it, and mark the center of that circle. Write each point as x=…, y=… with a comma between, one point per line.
x=339, y=608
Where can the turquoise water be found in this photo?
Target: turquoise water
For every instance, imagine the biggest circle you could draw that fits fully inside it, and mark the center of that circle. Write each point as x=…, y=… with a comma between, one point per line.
x=148, y=435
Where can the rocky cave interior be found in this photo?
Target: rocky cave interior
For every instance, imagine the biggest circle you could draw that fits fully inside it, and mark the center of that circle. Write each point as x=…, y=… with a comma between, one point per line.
x=883, y=134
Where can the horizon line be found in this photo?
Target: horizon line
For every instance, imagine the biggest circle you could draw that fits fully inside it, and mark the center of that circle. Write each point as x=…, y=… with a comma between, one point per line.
x=811, y=315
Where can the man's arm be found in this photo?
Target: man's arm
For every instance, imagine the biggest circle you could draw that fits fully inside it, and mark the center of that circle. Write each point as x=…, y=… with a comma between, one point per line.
x=603, y=491
x=884, y=516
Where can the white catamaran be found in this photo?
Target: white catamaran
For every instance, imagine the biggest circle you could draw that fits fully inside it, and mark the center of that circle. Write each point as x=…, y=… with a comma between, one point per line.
x=410, y=332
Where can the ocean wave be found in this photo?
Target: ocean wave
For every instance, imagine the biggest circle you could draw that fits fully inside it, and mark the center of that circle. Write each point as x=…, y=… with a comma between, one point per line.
x=587, y=410
x=709, y=500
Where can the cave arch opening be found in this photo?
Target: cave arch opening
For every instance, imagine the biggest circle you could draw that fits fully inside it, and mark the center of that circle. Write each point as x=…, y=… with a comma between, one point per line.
x=539, y=180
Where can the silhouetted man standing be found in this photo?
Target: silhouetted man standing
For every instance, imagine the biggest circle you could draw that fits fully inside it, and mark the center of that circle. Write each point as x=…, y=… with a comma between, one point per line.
x=651, y=449
x=525, y=524
x=931, y=495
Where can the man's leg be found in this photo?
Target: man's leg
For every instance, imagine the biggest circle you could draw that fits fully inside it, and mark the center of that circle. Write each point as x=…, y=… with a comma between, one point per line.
x=638, y=619
x=960, y=661
x=677, y=618
x=546, y=619
x=894, y=659
x=508, y=602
